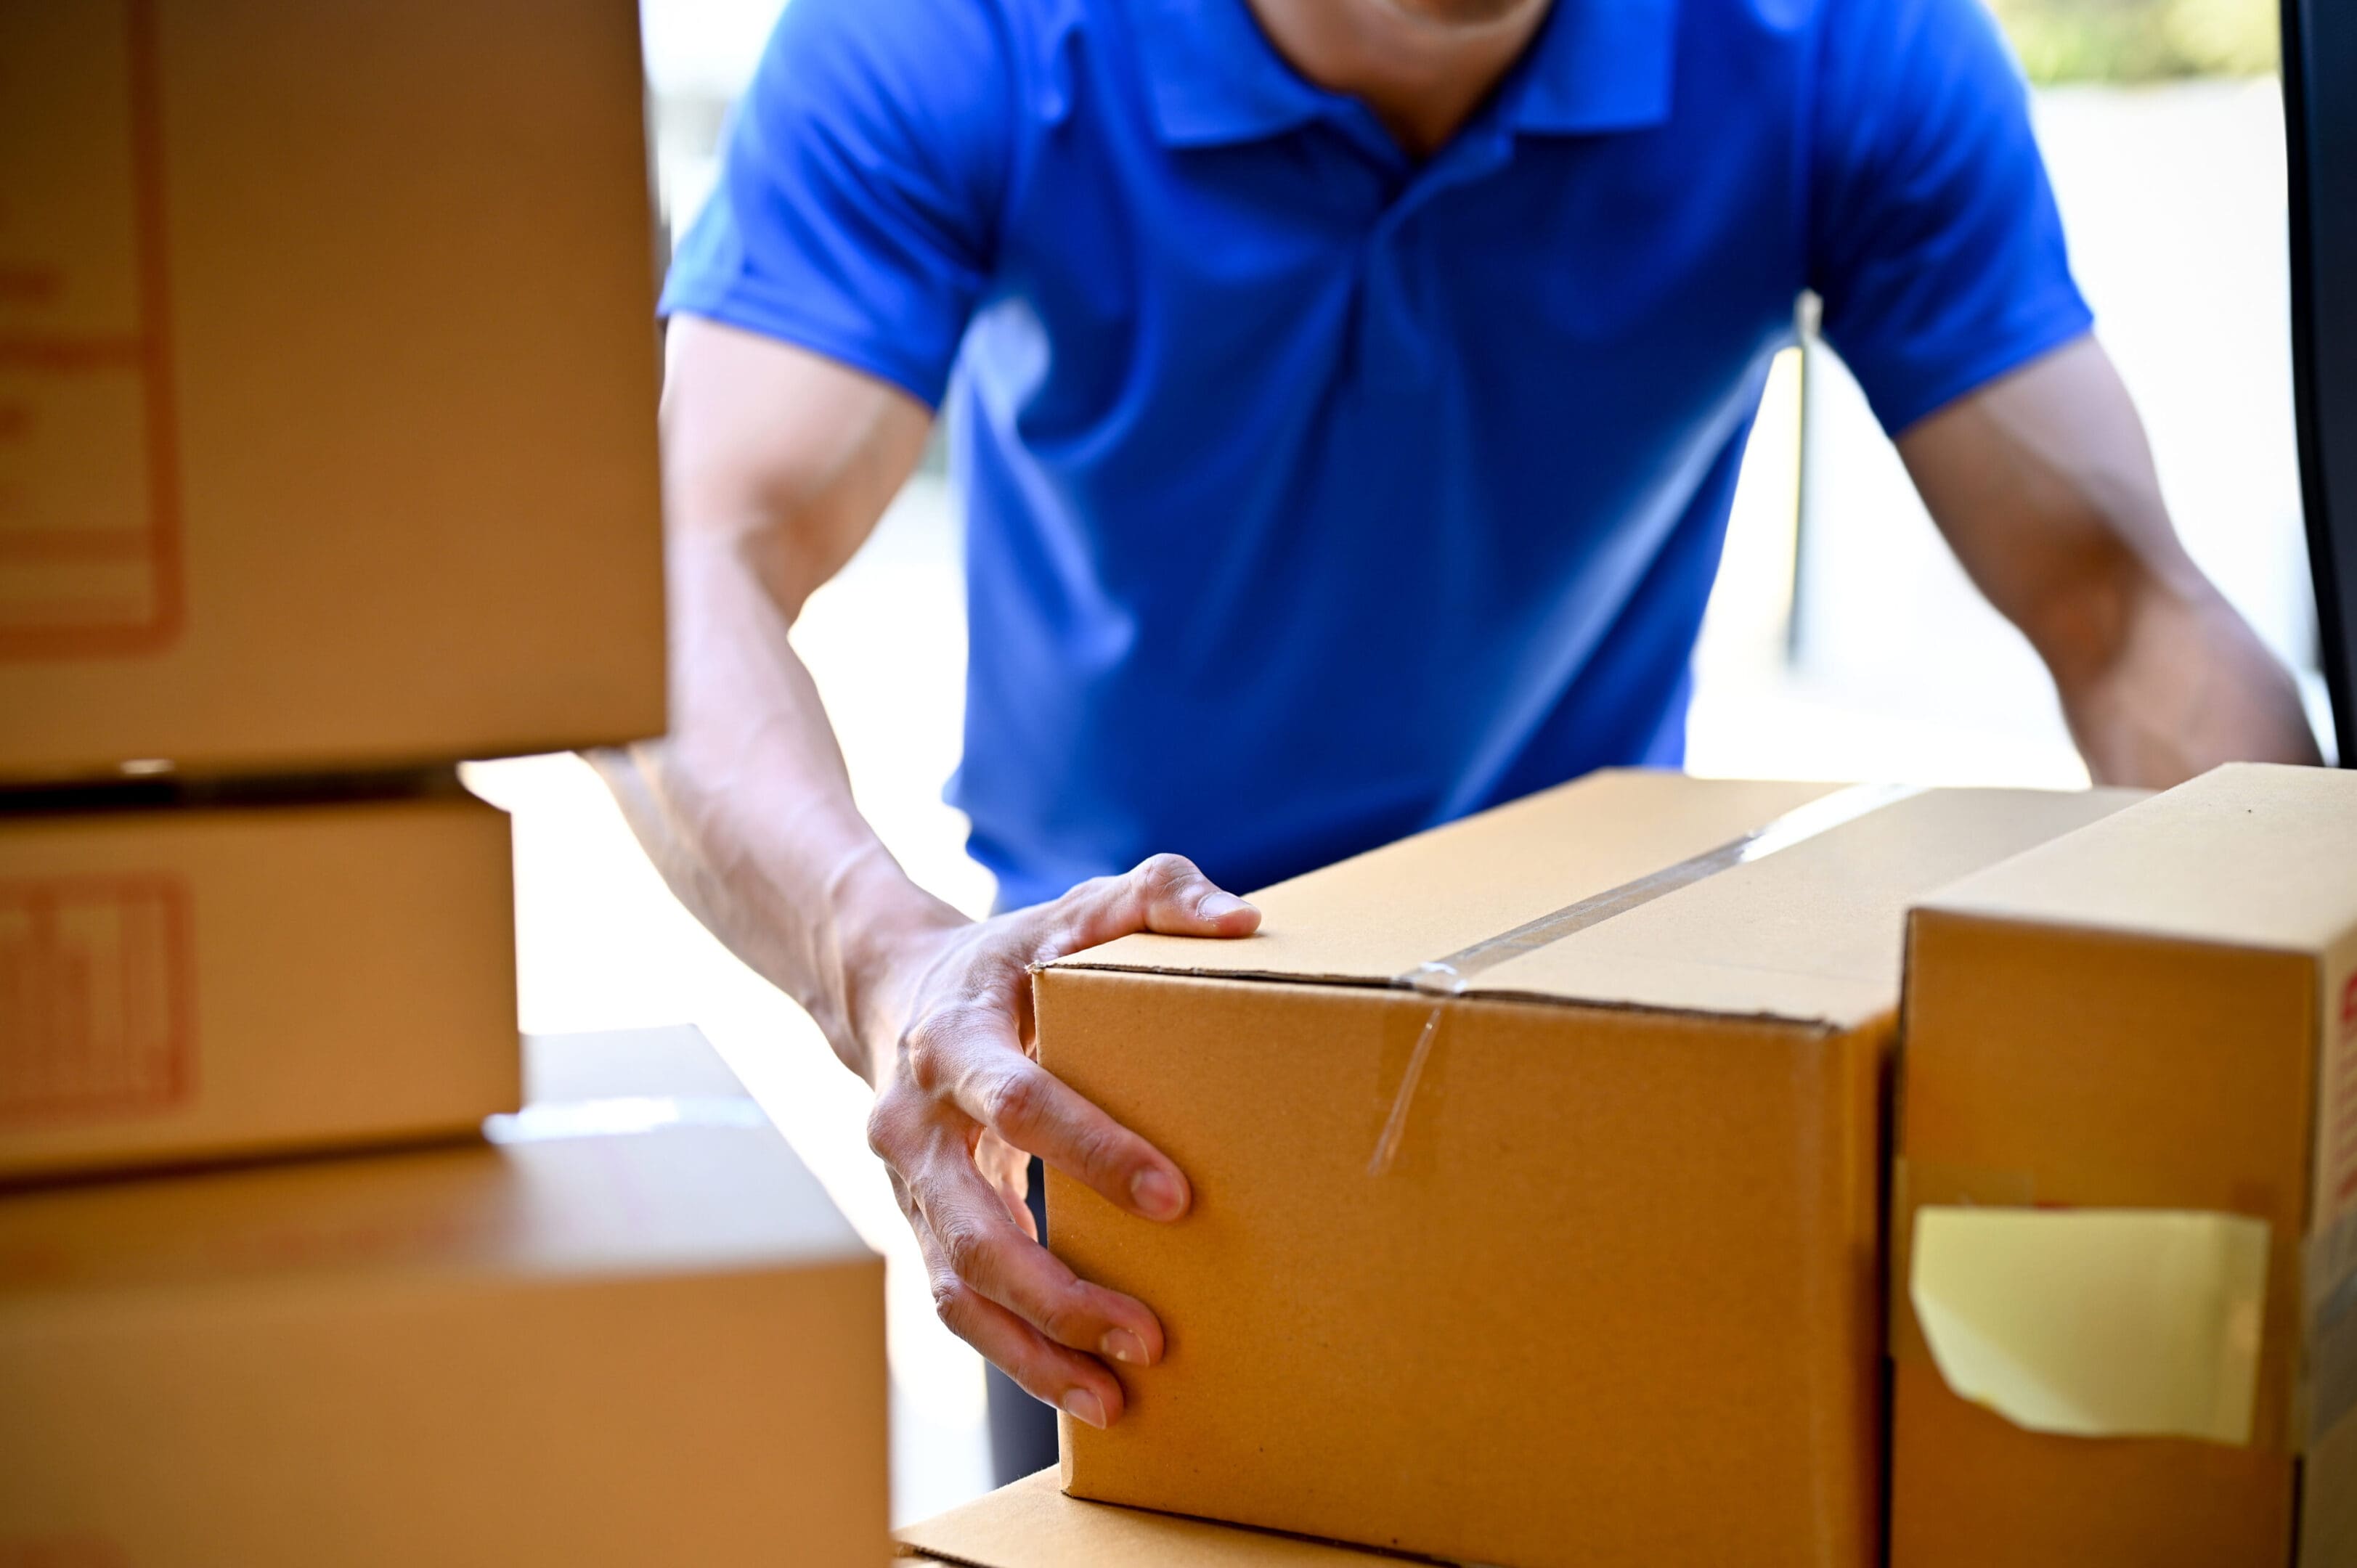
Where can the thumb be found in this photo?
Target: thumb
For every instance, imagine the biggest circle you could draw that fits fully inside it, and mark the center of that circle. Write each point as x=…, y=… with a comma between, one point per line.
x=1165, y=893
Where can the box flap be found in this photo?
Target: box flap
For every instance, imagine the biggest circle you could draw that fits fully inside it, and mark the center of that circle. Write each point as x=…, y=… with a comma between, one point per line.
x=1032, y=1524
x=2248, y=855
x=1383, y=913
x=1811, y=932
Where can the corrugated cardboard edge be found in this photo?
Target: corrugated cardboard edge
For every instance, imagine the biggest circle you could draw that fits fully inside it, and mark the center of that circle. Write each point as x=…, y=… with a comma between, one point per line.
x=1831, y=1001
x=1033, y=1523
x=1820, y=1024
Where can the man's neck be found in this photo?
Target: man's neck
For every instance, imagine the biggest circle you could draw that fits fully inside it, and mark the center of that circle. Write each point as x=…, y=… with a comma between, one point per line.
x=1422, y=66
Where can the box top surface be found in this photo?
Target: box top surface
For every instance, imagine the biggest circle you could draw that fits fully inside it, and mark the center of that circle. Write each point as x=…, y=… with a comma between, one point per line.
x=2249, y=855
x=608, y=1186
x=1810, y=931
x=1032, y=1524
x=675, y=1062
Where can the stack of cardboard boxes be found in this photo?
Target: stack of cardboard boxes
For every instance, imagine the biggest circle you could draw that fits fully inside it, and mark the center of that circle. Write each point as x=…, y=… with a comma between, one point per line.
x=1544, y=1191
x=1552, y=1206
x=327, y=457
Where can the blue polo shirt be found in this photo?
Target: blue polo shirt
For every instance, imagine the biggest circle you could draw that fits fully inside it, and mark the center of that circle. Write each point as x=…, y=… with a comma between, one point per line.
x=1316, y=493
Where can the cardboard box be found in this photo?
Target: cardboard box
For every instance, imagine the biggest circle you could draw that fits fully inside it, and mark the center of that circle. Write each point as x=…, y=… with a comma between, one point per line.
x=1613, y=1296
x=1032, y=1524
x=199, y=984
x=675, y=1066
x=2129, y=1133
x=327, y=383
x=611, y=1339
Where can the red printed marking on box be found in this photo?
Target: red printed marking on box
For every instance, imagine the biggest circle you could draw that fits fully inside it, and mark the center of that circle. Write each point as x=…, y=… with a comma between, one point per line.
x=96, y=1010
x=109, y=380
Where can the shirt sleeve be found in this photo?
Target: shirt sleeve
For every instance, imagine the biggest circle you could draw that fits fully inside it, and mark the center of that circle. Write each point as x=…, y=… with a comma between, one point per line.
x=860, y=181
x=1934, y=240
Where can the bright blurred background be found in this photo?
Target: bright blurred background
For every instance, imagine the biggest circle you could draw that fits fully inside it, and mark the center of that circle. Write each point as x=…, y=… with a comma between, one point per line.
x=1842, y=642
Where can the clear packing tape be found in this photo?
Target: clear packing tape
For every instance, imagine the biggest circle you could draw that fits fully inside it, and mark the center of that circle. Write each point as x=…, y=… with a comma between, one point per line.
x=1445, y=977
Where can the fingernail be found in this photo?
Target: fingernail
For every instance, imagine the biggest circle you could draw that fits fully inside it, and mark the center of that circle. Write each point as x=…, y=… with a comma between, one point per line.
x=1157, y=1197
x=1220, y=905
x=1122, y=1345
x=1082, y=1405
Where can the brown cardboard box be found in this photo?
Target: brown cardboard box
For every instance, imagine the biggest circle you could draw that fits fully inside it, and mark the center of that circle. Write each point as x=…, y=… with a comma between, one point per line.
x=1615, y=1299
x=191, y=984
x=327, y=384
x=583, y=1346
x=1032, y=1524
x=674, y=1064
x=2125, y=1050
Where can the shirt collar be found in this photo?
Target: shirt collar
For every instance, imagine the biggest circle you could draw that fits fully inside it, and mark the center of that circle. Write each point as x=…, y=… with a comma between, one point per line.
x=1596, y=66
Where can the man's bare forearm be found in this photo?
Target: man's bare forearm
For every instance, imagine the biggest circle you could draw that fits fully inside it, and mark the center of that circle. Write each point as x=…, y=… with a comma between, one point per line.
x=747, y=810
x=2184, y=685
x=777, y=464
x=2044, y=485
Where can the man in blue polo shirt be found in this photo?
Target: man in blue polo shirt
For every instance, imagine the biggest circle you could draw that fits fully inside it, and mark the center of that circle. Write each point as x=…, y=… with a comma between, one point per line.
x=1348, y=395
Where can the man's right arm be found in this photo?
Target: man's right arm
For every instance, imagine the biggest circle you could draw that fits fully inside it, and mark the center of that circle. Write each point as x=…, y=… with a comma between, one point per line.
x=777, y=464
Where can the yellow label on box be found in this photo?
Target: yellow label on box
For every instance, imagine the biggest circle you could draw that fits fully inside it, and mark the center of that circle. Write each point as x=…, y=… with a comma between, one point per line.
x=2096, y=1322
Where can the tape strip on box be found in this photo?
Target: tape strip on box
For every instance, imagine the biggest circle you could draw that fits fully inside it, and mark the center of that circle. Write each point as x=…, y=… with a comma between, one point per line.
x=1448, y=977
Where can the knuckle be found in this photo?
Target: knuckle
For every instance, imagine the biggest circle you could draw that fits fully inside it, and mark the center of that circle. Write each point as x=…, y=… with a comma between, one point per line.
x=966, y=1245
x=1066, y=1318
x=949, y=1295
x=1166, y=872
x=880, y=1129
x=926, y=1045
x=1101, y=1151
x=1014, y=1100
x=888, y=1124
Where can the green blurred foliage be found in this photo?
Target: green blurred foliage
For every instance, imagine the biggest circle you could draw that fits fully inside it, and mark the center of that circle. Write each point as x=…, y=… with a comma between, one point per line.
x=2140, y=40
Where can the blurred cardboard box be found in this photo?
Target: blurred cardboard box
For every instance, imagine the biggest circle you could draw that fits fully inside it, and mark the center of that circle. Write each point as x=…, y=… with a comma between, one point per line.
x=611, y=1338
x=674, y=1066
x=2126, y=1294
x=1032, y=1524
x=327, y=384
x=1537, y=1166
x=199, y=983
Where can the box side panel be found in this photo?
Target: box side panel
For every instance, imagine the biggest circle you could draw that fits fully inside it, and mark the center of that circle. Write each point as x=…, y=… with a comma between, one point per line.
x=723, y=1418
x=2082, y=1069
x=183, y=986
x=405, y=444
x=1627, y=1259
x=1969, y=1488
